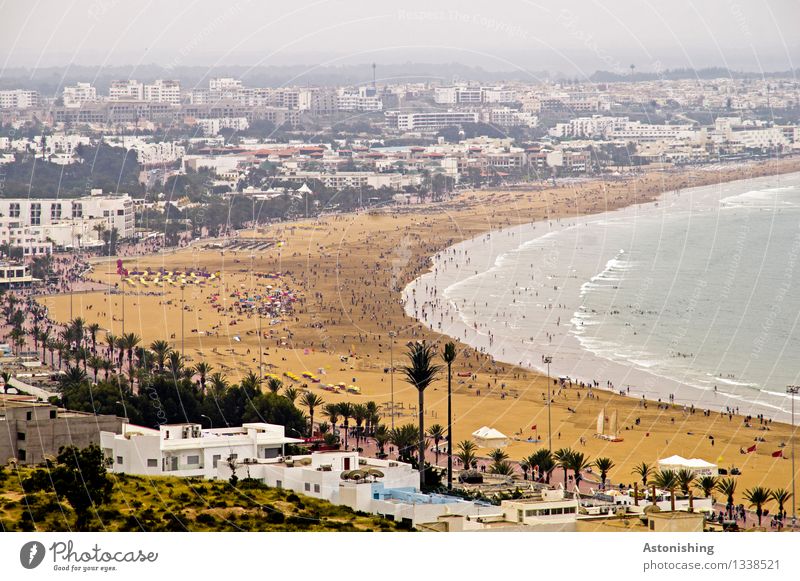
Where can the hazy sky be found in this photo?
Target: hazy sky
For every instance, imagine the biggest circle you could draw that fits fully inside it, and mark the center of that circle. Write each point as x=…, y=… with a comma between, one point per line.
x=565, y=35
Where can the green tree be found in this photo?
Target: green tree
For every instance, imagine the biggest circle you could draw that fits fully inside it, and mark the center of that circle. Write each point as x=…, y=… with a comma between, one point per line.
x=604, y=465
x=758, y=497
x=79, y=476
x=467, y=453
x=436, y=432
x=420, y=373
x=311, y=401
x=727, y=487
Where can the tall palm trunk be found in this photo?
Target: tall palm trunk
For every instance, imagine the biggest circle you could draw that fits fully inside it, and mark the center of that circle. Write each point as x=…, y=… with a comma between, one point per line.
x=421, y=438
x=449, y=426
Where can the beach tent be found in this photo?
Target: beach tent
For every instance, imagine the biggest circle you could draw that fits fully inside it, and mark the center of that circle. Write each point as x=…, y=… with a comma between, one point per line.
x=487, y=437
x=696, y=465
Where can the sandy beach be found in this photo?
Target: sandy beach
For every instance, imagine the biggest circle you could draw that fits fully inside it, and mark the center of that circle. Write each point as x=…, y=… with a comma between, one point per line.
x=348, y=272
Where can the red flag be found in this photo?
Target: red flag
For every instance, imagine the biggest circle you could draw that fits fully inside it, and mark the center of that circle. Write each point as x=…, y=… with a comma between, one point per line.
x=533, y=427
x=778, y=454
x=751, y=449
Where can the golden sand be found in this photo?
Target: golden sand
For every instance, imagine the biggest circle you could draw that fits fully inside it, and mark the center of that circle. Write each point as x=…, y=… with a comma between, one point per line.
x=350, y=270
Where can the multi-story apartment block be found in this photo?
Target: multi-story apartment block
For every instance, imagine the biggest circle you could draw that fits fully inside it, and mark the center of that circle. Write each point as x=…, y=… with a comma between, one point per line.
x=126, y=90
x=19, y=99
x=364, y=99
x=78, y=94
x=429, y=120
x=163, y=91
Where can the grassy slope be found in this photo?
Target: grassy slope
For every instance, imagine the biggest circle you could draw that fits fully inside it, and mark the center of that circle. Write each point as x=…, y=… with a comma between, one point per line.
x=179, y=504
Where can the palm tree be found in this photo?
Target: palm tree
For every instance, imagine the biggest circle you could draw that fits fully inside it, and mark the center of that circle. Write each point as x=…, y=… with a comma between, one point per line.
x=93, y=328
x=727, y=487
x=175, y=364
x=331, y=411
x=525, y=466
x=542, y=460
x=130, y=341
x=643, y=470
x=667, y=480
x=44, y=337
x=346, y=411
x=251, y=384
x=107, y=366
x=95, y=363
x=578, y=462
x=466, y=453
x=420, y=373
x=758, y=497
x=372, y=416
x=274, y=384
x=359, y=415
x=405, y=439
x=604, y=465
x=781, y=496
x=35, y=331
x=436, y=432
x=72, y=377
x=311, y=401
x=161, y=349
x=707, y=484
x=111, y=342
x=202, y=369
x=449, y=355
x=6, y=377
x=61, y=347
x=219, y=384
x=52, y=346
x=686, y=479
x=291, y=393
x=382, y=436
x=562, y=457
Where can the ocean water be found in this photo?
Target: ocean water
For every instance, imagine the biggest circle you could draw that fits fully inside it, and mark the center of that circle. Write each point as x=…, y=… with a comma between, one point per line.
x=696, y=295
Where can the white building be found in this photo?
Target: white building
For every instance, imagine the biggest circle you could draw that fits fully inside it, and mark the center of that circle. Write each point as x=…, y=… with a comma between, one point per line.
x=507, y=117
x=363, y=99
x=149, y=153
x=76, y=95
x=37, y=224
x=224, y=83
x=163, y=91
x=126, y=90
x=189, y=450
x=18, y=99
x=429, y=121
x=213, y=126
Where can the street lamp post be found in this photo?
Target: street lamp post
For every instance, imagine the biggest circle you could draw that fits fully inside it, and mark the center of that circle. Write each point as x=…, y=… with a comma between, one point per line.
x=123, y=306
x=549, y=360
x=792, y=390
x=392, y=335
x=183, y=310
x=210, y=423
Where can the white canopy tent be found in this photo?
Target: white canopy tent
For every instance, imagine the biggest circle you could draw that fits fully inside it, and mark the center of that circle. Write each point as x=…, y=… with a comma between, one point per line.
x=487, y=437
x=696, y=465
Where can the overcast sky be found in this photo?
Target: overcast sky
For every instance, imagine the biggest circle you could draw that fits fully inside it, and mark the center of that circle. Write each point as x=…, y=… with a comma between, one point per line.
x=565, y=35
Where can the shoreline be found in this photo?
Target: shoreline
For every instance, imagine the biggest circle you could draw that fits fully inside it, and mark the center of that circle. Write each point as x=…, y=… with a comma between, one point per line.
x=428, y=299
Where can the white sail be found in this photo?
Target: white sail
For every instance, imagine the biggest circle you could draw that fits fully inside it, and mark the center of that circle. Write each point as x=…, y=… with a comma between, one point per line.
x=601, y=420
x=613, y=427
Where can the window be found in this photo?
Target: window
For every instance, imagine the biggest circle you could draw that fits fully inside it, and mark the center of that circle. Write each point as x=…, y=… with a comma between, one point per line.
x=29, y=416
x=52, y=414
x=21, y=436
x=119, y=459
x=20, y=454
x=77, y=210
x=152, y=463
x=307, y=487
x=13, y=210
x=193, y=460
x=120, y=212
x=316, y=488
x=55, y=212
x=36, y=214
x=278, y=484
x=215, y=459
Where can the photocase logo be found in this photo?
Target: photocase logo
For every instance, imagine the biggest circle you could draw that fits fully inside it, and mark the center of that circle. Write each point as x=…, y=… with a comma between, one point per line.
x=31, y=554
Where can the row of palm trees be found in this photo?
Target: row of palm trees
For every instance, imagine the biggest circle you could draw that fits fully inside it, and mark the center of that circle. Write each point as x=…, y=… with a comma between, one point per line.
x=684, y=480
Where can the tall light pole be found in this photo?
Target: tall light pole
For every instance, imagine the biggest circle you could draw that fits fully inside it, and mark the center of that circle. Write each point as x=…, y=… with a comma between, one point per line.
x=792, y=390
x=392, y=335
x=123, y=306
x=548, y=360
x=183, y=310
